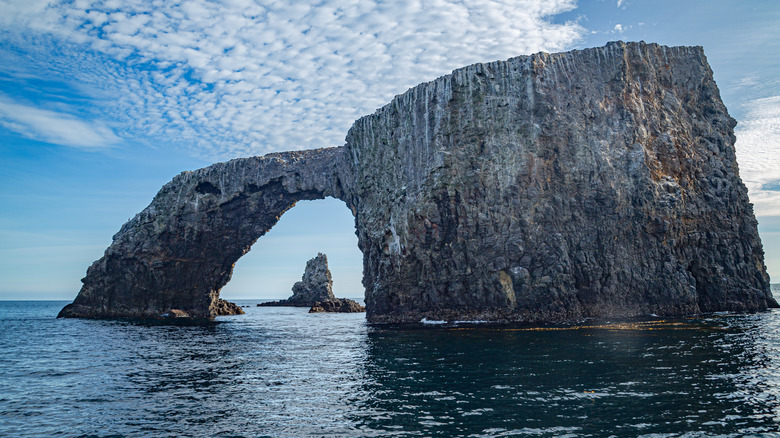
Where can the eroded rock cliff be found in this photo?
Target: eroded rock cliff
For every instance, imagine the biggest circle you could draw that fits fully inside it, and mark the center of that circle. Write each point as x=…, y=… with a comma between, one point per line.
x=550, y=187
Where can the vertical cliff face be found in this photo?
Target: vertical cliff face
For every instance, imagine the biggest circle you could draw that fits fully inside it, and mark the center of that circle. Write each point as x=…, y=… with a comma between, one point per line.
x=555, y=187
x=551, y=187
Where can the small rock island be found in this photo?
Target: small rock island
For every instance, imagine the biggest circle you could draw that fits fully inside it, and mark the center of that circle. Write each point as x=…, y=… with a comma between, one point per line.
x=315, y=290
x=596, y=183
x=222, y=308
x=337, y=305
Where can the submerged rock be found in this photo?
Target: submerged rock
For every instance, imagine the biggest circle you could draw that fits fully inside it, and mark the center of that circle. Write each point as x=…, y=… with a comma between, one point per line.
x=337, y=305
x=545, y=188
x=315, y=285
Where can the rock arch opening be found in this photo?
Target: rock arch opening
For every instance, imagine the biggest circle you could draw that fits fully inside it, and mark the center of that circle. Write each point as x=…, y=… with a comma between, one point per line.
x=277, y=260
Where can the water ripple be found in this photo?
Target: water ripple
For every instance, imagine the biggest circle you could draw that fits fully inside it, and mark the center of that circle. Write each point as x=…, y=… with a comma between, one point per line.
x=281, y=372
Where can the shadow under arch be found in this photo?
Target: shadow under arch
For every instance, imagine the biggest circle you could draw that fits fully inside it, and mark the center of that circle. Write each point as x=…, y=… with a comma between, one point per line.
x=180, y=251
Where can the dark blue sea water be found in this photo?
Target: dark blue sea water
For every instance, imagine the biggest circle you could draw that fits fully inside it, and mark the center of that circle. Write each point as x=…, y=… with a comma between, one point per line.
x=281, y=372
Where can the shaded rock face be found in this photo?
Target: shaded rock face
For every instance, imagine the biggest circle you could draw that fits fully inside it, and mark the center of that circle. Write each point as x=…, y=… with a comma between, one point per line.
x=316, y=285
x=337, y=305
x=545, y=188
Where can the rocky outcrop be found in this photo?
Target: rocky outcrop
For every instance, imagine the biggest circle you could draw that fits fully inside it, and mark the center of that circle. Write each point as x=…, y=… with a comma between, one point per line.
x=315, y=290
x=337, y=305
x=315, y=285
x=550, y=187
x=226, y=308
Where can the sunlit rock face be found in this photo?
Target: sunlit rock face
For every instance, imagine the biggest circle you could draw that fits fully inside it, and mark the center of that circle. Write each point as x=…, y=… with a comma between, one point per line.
x=545, y=188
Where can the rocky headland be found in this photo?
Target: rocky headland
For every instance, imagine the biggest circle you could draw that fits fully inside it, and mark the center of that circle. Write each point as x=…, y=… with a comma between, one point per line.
x=545, y=188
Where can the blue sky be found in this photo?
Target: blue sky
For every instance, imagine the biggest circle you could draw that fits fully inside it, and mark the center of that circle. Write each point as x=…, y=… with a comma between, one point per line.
x=102, y=102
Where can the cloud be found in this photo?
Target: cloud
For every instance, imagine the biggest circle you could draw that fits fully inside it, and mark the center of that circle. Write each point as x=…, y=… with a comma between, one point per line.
x=758, y=154
x=54, y=127
x=17, y=12
x=618, y=28
x=240, y=77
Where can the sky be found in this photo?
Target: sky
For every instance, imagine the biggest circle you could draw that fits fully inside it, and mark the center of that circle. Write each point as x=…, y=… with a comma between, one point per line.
x=103, y=102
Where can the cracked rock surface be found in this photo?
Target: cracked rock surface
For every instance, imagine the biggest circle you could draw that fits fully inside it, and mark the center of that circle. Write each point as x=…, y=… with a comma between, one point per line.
x=545, y=188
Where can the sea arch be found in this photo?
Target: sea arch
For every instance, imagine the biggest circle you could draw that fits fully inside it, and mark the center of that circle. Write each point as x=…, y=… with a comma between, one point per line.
x=545, y=188
x=180, y=251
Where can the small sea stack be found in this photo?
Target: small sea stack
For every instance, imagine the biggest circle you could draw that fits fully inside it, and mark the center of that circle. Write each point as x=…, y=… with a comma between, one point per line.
x=315, y=286
x=315, y=290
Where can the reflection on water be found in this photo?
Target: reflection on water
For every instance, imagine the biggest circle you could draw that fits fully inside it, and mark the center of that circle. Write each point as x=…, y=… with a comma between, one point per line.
x=717, y=376
x=283, y=372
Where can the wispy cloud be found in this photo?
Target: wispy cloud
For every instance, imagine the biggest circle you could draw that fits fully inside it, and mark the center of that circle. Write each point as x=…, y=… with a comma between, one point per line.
x=758, y=154
x=54, y=127
x=240, y=77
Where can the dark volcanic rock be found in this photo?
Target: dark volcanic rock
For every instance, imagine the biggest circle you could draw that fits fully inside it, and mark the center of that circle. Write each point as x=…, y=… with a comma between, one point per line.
x=555, y=187
x=226, y=308
x=337, y=305
x=316, y=285
x=550, y=187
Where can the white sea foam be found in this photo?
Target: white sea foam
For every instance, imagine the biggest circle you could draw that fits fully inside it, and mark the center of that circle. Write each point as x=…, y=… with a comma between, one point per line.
x=432, y=321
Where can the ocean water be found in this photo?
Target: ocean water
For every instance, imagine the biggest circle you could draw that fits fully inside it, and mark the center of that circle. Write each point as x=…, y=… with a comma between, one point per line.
x=281, y=372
